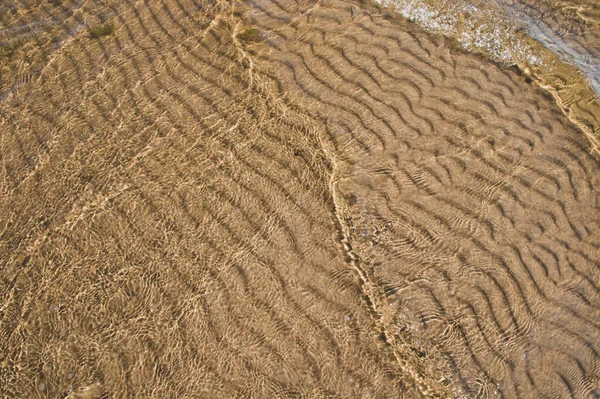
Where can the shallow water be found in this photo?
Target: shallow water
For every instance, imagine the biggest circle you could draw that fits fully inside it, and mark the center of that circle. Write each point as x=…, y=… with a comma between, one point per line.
x=494, y=27
x=475, y=24
x=292, y=199
x=556, y=43
x=571, y=49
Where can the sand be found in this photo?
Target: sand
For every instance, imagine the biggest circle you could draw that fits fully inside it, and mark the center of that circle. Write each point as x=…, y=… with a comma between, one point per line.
x=287, y=199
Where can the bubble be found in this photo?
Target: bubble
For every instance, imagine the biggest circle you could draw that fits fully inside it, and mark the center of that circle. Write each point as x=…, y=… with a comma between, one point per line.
x=42, y=386
x=54, y=307
x=347, y=317
x=69, y=376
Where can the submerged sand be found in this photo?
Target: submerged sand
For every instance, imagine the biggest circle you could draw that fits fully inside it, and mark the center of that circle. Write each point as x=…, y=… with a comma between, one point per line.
x=286, y=199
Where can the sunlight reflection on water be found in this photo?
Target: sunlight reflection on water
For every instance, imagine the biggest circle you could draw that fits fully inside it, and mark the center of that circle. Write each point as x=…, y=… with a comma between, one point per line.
x=499, y=28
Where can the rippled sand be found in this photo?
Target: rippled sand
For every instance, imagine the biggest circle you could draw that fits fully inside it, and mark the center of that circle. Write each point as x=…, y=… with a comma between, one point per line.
x=287, y=199
x=553, y=42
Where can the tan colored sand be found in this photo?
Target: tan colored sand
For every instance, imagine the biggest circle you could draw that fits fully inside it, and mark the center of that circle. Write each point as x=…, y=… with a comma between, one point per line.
x=290, y=199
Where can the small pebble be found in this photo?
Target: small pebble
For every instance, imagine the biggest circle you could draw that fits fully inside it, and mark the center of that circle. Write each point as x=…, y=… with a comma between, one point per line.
x=42, y=386
x=54, y=307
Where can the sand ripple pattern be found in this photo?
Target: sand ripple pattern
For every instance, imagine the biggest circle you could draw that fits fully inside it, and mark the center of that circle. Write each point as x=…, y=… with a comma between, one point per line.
x=167, y=227
x=470, y=205
x=343, y=207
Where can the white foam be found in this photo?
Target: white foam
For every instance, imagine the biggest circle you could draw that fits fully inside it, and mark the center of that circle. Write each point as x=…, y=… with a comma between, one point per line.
x=476, y=25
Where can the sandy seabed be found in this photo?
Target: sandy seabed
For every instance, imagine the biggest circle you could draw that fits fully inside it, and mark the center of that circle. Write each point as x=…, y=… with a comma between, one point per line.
x=285, y=199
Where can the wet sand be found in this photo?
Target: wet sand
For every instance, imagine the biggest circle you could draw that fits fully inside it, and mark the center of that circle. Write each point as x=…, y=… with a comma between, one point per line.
x=552, y=42
x=291, y=199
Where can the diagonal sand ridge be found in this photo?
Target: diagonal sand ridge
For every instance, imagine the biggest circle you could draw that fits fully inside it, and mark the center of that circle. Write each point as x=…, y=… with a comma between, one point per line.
x=472, y=206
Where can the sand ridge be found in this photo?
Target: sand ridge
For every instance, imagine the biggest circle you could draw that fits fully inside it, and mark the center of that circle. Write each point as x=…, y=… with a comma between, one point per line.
x=446, y=161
